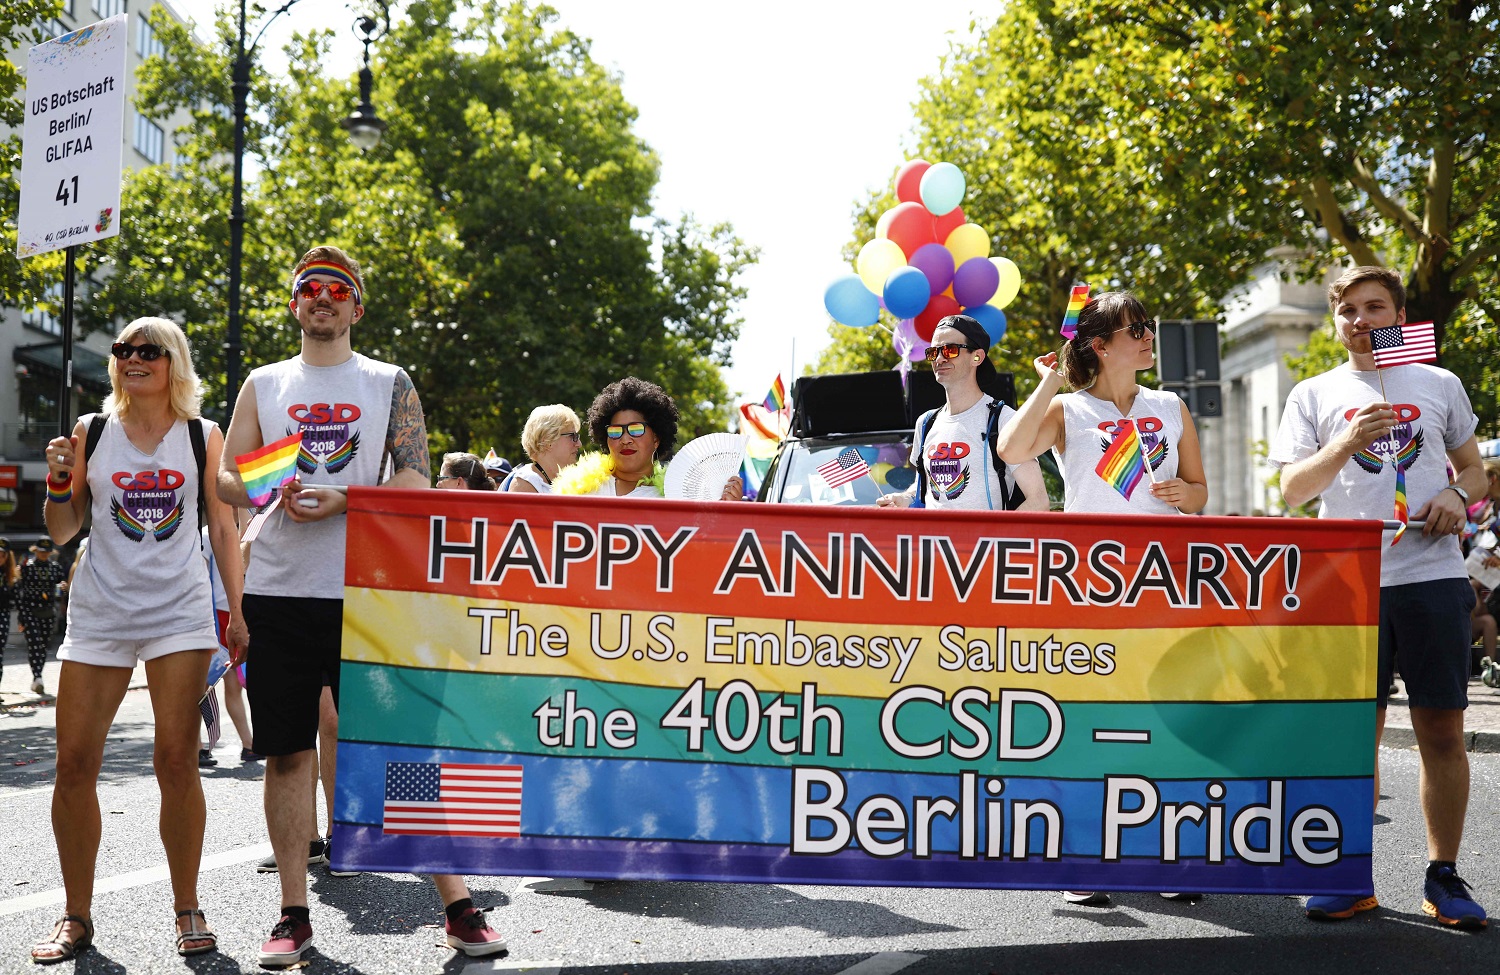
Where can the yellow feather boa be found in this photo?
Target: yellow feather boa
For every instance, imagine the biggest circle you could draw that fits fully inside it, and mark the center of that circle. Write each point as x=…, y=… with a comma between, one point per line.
x=590, y=472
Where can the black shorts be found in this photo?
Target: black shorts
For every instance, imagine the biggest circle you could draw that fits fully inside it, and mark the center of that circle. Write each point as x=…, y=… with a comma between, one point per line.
x=295, y=644
x=1425, y=634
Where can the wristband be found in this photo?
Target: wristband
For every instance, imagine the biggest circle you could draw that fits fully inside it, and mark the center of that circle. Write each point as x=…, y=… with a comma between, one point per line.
x=60, y=492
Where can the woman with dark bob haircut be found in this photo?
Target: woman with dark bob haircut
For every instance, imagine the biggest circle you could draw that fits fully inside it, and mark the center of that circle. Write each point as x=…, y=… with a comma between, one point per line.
x=635, y=421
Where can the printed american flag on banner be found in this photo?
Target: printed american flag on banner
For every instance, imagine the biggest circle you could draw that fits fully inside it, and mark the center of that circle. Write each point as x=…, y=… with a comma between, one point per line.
x=446, y=799
x=1397, y=345
x=847, y=466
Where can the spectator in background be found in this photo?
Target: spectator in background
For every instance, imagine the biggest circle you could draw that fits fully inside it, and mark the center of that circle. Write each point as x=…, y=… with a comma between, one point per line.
x=463, y=472
x=38, y=590
x=10, y=572
x=551, y=439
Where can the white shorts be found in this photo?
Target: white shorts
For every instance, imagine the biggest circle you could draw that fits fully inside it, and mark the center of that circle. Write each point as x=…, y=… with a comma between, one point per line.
x=105, y=652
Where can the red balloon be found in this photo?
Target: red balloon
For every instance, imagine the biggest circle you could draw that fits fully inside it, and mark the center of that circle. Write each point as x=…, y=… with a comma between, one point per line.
x=939, y=308
x=910, y=227
x=909, y=180
x=948, y=223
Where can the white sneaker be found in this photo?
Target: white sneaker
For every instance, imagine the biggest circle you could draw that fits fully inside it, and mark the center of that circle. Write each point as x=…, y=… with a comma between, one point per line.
x=1184, y=898
x=37, y=687
x=1087, y=898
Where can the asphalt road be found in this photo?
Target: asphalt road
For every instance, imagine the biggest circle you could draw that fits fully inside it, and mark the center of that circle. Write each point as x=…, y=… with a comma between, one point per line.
x=380, y=923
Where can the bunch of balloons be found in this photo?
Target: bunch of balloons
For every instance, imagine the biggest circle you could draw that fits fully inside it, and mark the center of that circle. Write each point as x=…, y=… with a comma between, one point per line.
x=925, y=262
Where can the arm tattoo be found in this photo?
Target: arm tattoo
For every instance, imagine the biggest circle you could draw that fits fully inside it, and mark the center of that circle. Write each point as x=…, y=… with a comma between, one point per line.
x=406, y=436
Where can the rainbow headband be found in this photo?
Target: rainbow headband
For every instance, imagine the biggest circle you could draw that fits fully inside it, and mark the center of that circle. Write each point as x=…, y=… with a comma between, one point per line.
x=333, y=271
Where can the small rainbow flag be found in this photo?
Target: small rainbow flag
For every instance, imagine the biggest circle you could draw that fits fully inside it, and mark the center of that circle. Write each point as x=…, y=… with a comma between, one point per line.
x=1124, y=463
x=1401, y=515
x=267, y=469
x=776, y=398
x=1076, y=301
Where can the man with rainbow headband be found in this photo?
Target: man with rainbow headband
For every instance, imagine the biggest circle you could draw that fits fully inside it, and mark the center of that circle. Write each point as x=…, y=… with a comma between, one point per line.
x=353, y=413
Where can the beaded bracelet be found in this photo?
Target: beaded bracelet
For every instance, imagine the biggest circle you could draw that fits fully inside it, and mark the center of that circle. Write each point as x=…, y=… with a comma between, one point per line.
x=60, y=492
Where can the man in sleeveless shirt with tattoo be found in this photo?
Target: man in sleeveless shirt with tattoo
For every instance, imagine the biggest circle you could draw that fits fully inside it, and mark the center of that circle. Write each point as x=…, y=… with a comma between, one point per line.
x=354, y=413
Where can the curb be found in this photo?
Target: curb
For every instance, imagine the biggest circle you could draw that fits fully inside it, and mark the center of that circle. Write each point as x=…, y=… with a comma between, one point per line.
x=1399, y=736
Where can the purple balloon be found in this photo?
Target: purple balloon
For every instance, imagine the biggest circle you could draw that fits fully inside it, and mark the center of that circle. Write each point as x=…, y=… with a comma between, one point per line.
x=974, y=283
x=907, y=343
x=936, y=261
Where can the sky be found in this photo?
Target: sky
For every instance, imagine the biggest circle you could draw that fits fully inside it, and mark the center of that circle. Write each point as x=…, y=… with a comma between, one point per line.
x=776, y=117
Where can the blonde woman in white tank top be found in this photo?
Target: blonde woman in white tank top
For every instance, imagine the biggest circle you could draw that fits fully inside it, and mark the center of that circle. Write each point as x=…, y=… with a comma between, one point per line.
x=142, y=594
x=1115, y=340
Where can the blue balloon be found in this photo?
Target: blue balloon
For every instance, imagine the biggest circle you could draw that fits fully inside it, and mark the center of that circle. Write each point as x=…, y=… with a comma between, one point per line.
x=992, y=318
x=907, y=292
x=850, y=303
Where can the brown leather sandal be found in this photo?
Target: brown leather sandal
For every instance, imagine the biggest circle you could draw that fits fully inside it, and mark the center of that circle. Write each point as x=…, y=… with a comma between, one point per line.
x=43, y=953
x=195, y=932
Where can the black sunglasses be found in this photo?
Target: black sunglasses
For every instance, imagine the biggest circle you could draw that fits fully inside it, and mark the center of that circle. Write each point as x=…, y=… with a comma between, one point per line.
x=949, y=350
x=148, y=351
x=1138, y=330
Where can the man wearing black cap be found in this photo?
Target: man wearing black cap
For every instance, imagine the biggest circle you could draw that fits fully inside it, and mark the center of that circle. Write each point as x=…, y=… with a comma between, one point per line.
x=953, y=448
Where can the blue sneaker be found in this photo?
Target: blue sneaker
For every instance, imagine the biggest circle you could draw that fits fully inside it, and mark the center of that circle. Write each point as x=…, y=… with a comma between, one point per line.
x=1339, y=907
x=1446, y=897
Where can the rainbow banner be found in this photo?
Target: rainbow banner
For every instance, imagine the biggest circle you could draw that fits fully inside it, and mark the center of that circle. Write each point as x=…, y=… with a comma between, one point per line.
x=587, y=687
x=265, y=470
x=1076, y=300
x=1124, y=463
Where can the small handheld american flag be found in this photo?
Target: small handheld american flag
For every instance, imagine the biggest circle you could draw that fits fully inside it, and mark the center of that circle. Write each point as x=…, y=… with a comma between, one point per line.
x=1398, y=345
x=847, y=466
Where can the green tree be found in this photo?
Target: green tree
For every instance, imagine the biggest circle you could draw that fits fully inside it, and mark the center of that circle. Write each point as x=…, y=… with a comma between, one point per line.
x=504, y=222
x=21, y=282
x=1075, y=184
x=1369, y=120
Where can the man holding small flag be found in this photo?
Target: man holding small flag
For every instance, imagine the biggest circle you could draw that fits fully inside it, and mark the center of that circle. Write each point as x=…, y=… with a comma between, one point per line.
x=1372, y=438
x=337, y=416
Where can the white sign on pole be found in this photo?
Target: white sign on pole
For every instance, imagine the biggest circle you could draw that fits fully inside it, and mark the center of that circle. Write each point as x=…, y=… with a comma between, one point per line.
x=73, y=140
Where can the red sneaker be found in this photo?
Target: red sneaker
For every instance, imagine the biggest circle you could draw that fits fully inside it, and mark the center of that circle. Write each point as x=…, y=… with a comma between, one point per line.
x=289, y=939
x=473, y=936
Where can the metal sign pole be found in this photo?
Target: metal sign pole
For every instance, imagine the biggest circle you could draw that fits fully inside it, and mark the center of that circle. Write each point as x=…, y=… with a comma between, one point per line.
x=65, y=396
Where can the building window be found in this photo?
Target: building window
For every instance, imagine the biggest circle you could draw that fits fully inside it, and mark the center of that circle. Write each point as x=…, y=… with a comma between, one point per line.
x=108, y=8
x=67, y=7
x=150, y=141
x=42, y=320
x=147, y=44
x=52, y=27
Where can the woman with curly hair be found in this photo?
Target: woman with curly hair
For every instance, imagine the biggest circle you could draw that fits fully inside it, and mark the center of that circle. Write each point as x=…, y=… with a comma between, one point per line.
x=635, y=421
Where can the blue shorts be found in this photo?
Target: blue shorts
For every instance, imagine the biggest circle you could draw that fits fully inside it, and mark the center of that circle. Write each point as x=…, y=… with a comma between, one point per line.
x=1425, y=635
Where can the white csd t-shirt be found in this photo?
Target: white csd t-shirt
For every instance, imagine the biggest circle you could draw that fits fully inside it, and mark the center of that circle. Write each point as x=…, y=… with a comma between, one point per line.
x=1433, y=417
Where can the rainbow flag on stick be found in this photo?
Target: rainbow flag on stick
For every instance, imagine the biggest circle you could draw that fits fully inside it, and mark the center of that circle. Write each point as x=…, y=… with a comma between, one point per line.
x=1076, y=301
x=1124, y=463
x=267, y=469
x=776, y=398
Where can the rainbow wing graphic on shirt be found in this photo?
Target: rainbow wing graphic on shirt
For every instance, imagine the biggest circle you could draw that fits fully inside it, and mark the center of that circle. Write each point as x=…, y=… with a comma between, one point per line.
x=168, y=526
x=308, y=462
x=267, y=469
x=1156, y=454
x=1123, y=464
x=125, y=521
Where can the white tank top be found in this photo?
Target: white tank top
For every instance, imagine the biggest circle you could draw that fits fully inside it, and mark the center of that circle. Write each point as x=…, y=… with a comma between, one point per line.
x=344, y=413
x=1090, y=424
x=143, y=575
x=529, y=474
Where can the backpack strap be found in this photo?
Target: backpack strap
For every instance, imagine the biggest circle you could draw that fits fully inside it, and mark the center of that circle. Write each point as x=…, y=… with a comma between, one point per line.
x=924, y=423
x=96, y=430
x=1011, y=495
x=200, y=454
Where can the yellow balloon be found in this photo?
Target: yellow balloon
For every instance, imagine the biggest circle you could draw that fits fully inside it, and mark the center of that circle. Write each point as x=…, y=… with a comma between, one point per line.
x=879, y=471
x=967, y=240
x=1010, y=281
x=877, y=259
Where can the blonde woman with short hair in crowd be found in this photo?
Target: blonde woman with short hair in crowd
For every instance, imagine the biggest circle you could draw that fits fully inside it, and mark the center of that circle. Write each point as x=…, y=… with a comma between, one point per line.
x=551, y=439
